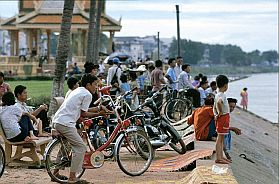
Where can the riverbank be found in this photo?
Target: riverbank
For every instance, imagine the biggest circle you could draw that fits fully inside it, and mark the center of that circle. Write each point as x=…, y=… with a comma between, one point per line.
x=259, y=142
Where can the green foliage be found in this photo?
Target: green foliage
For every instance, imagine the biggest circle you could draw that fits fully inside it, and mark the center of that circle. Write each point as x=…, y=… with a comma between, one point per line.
x=192, y=52
x=28, y=78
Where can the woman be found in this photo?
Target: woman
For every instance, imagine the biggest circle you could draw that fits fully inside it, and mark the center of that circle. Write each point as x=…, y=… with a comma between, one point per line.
x=16, y=125
x=244, y=100
x=4, y=87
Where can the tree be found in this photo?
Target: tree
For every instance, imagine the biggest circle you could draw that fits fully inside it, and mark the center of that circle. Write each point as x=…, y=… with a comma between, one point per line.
x=96, y=39
x=92, y=26
x=271, y=56
x=62, y=53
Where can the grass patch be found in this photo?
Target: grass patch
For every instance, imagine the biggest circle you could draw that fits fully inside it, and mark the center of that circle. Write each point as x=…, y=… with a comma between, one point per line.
x=36, y=88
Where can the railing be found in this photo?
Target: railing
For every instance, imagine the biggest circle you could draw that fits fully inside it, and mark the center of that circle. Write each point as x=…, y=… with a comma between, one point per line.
x=15, y=66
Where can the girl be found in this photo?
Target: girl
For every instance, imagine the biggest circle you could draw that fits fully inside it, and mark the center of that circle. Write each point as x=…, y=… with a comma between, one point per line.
x=244, y=100
x=16, y=125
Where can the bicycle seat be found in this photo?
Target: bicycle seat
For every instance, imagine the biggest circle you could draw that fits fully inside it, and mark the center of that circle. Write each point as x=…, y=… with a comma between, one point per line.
x=55, y=133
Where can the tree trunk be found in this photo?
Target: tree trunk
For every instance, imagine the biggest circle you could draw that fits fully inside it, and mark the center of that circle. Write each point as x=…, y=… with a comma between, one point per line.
x=97, y=31
x=62, y=54
x=92, y=26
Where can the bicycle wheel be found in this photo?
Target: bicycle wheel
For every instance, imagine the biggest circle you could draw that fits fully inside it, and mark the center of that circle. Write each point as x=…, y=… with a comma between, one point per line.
x=176, y=141
x=58, y=157
x=2, y=161
x=176, y=109
x=134, y=153
x=101, y=139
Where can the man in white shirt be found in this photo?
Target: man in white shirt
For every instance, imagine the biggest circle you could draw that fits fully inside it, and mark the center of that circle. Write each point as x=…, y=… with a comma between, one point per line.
x=102, y=67
x=114, y=69
x=184, y=82
x=178, y=67
x=202, y=90
x=64, y=120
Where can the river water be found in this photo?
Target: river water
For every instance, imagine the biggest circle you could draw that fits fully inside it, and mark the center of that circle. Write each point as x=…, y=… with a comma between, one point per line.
x=262, y=94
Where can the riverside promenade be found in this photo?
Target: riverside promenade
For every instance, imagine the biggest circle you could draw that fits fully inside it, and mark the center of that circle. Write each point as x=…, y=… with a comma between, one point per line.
x=259, y=142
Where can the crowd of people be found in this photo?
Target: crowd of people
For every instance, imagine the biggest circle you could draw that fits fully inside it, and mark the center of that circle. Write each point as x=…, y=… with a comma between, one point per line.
x=211, y=115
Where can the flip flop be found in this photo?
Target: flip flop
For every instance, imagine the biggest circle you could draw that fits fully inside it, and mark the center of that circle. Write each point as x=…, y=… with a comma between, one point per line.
x=60, y=177
x=221, y=162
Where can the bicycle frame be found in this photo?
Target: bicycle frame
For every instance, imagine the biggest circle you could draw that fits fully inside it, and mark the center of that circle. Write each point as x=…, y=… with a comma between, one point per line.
x=119, y=129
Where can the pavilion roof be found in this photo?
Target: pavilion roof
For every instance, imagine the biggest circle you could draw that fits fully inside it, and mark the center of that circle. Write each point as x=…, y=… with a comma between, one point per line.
x=48, y=15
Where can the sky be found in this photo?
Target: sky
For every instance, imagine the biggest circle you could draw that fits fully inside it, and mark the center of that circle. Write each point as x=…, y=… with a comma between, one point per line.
x=250, y=24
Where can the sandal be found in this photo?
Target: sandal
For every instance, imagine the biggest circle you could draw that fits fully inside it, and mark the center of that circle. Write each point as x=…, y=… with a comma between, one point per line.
x=60, y=177
x=221, y=162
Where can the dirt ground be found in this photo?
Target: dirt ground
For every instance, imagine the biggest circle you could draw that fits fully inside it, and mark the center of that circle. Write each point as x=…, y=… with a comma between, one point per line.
x=259, y=142
x=108, y=173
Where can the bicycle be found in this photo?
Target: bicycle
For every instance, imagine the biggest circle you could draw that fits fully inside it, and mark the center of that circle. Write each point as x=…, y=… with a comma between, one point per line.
x=2, y=160
x=133, y=150
x=174, y=108
x=159, y=130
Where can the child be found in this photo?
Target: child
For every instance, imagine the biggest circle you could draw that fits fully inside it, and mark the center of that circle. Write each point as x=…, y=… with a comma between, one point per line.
x=134, y=84
x=244, y=100
x=124, y=87
x=72, y=84
x=222, y=117
x=16, y=124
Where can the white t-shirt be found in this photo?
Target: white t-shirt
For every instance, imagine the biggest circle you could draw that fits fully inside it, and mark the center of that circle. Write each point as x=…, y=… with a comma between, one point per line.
x=102, y=68
x=68, y=93
x=9, y=117
x=69, y=112
x=225, y=103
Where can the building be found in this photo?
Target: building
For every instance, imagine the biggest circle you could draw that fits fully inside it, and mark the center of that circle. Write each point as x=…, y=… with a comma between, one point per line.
x=140, y=48
x=37, y=25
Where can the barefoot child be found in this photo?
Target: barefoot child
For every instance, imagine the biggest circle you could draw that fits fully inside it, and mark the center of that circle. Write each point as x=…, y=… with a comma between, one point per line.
x=222, y=117
x=16, y=125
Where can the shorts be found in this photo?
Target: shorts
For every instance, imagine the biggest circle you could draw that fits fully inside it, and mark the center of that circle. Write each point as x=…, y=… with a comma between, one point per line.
x=223, y=124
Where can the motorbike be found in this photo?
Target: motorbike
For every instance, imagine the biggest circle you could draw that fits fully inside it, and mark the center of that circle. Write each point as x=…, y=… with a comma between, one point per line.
x=158, y=128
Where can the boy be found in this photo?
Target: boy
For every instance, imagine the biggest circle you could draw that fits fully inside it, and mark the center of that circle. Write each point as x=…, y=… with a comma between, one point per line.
x=64, y=121
x=222, y=117
x=72, y=83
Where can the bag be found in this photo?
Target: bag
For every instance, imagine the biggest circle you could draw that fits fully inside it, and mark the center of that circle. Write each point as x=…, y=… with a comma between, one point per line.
x=169, y=78
x=114, y=78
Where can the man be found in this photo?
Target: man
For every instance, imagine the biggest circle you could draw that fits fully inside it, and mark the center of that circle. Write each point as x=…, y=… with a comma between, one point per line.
x=202, y=90
x=91, y=68
x=38, y=116
x=178, y=67
x=114, y=70
x=64, y=120
x=203, y=120
x=157, y=78
x=185, y=82
x=171, y=73
x=212, y=89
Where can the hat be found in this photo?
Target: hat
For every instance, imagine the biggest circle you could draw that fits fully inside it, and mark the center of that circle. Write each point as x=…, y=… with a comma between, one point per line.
x=141, y=68
x=116, y=60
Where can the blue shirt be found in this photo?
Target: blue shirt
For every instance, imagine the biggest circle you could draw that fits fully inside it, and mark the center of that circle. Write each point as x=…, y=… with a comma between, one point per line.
x=172, y=75
x=140, y=80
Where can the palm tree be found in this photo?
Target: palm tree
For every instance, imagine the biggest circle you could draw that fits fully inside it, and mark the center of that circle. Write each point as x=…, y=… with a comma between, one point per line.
x=62, y=53
x=97, y=31
x=92, y=25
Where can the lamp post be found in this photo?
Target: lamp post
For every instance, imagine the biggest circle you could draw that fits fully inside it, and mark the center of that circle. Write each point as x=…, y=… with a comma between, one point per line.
x=178, y=30
x=158, y=45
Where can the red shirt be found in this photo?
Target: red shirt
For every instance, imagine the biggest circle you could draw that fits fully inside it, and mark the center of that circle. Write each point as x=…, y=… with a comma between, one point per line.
x=201, y=118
